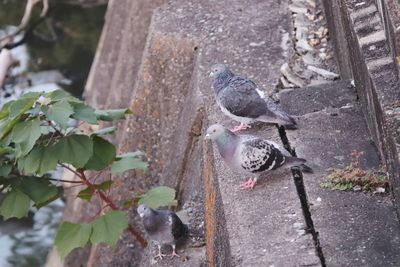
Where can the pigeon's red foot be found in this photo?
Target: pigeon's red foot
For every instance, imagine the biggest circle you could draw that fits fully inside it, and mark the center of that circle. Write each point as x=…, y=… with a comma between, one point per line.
x=174, y=254
x=250, y=184
x=242, y=126
x=159, y=255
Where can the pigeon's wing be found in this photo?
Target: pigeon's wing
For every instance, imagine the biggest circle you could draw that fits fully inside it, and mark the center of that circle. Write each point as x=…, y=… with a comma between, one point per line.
x=154, y=224
x=178, y=228
x=258, y=155
x=241, y=98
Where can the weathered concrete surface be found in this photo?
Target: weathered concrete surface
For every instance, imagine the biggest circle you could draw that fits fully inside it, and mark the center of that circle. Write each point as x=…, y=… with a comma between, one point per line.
x=316, y=98
x=335, y=21
x=368, y=30
x=356, y=229
x=118, y=56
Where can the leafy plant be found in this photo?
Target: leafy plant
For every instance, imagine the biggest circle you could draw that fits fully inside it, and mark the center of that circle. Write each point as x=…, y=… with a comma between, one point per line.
x=354, y=175
x=37, y=137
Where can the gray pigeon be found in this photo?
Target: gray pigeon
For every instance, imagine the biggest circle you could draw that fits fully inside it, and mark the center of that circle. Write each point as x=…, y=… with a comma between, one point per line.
x=240, y=99
x=250, y=154
x=162, y=226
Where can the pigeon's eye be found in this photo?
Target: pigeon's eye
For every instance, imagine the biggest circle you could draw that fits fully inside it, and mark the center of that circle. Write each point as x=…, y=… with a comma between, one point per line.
x=214, y=131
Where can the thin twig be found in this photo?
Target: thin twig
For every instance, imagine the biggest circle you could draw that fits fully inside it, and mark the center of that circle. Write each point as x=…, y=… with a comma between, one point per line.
x=73, y=186
x=51, y=138
x=62, y=180
x=109, y=189
x=53, y=179
x=25, y=20
x=111, y=204
x=55, y=129
x=70, y=169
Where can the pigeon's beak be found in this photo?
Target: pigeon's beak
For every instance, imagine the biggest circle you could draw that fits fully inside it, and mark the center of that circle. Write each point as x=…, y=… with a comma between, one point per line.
x=211, y=74
x=207, y=136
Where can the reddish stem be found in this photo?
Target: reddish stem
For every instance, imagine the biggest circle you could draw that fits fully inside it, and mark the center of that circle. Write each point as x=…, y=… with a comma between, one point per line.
x=109, y=202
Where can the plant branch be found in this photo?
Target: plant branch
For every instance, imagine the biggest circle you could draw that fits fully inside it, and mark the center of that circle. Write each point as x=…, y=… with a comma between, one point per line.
x=25, y=20
x=55, y=129
x=70, y=169
x=112, y=205
x=61, y=180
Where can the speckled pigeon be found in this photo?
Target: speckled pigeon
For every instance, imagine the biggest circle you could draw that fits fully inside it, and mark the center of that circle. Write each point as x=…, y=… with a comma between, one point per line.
x=162, y=226
x=240, y=99
x=250, y=154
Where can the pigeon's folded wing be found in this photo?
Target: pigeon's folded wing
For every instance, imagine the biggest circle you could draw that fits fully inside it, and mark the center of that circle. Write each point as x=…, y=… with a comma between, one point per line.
x=178, y=229
x=258, y=155
x=241, y=99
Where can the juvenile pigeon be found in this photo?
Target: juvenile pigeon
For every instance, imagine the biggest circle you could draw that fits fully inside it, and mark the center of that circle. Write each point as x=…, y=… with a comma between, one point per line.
x=250, y=154
x=162, y=226
x=240, y=99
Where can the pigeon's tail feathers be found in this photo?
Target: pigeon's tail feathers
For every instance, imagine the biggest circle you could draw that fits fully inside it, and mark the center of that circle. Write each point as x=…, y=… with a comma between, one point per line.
x=287, y=121
x=291, y=123
x=290, y=126
x=294, y=161
x=298, y=162
x=185, y=231
x=306, y=168
x=181, y=232
x=281, y=119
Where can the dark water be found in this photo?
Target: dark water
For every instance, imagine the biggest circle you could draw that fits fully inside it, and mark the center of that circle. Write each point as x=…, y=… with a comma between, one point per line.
x=65, y=42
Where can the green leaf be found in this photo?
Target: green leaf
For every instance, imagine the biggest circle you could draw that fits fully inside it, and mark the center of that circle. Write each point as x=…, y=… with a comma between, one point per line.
x=128, y=162
x=108, y=130
x=70, y=236
x=40, y=191
x=109, y=227
x=16, y=109
x=15, y=204
x=25, y=134
x=60, y=112
x=5, y=111
x=112, y=114
x=39, y=161
x=74, y=149
x=5, y=170
x=84, y=112
x=60, y=95
x=44, y=130
x=32, y=95
x=103, y=154
x=22, y=105
x=87, y=193
x=158, y=196
x=5, y=149
x=104, y=185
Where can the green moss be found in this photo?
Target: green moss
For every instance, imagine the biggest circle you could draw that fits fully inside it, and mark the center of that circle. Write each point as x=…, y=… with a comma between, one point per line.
x=353, y=175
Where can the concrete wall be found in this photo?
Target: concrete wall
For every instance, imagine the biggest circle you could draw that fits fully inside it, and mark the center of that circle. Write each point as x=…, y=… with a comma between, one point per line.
x=365, y=42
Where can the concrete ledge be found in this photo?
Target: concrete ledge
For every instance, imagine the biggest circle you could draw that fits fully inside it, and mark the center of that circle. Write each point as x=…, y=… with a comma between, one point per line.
x=376, y=75
x=356, y=229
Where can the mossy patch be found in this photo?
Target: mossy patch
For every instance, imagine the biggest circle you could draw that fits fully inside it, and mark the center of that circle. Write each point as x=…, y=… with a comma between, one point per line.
x=354, y=178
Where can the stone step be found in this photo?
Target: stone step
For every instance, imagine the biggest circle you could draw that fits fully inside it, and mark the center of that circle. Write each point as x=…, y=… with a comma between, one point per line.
x=356, y=229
